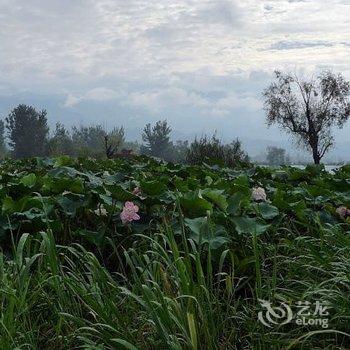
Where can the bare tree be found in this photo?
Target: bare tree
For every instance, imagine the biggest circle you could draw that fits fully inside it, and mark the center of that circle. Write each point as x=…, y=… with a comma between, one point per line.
x=309, y=109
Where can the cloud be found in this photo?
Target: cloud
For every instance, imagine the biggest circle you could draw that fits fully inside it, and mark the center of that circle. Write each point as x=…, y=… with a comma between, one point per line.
x=161, y=100
x=232, y=101
x=68, y=44
x=100, y=94
x=196, y=61
x=71, y=101
x=291, y=45
x=227, y=13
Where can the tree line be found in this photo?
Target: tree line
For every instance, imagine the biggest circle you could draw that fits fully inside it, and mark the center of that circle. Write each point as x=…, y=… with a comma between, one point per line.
x=307, y=108
x=29, y=136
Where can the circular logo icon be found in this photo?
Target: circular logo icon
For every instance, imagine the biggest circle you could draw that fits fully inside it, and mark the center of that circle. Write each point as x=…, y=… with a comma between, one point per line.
x=274, y=315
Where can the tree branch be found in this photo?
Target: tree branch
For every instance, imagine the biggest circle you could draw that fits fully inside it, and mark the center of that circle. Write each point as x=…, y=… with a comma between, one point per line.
x=326, y=147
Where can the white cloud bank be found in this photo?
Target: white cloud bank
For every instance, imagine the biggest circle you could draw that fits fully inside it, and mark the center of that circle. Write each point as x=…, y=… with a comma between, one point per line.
x=196, y=58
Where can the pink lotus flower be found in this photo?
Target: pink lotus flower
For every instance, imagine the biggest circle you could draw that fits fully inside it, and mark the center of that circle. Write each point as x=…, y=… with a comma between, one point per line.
x=343, y=212
x=136, y=191
x=259, y=194
x=129, y=213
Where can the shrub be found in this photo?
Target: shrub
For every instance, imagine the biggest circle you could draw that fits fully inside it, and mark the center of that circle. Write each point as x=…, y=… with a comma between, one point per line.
x=212, y=150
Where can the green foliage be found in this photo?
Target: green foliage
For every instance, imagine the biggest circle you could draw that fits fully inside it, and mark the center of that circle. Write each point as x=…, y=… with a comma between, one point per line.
x=94, y=141
x=158, y=144
x=177, y=152
x=276, y=156
x=61, y=142
x=309, y=108
x=27, y=131
x=213, y=151
x=188, y=275
x=67, y=191
x=88, y=140
x=157, y=139
x=174, y=295
x=117, y=138
x=3, y=148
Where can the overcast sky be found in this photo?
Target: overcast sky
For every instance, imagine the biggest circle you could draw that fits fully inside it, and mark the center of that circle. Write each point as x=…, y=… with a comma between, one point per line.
x=200, y=64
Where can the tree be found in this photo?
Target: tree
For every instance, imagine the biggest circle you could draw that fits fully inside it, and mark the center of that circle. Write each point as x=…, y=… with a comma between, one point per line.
x=157, y=139
x=212, y=150
x=61, y=141
x=178, y=151
x=88, y=140
x=27, y=131
x=3, y=149
x=309, y=109
x=276, y=156
x=114, y=140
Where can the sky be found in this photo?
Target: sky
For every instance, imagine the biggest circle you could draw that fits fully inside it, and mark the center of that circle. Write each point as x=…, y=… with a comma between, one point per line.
x=200, y=64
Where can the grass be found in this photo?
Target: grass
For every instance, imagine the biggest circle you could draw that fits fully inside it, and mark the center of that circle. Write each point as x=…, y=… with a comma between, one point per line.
x=173, y=295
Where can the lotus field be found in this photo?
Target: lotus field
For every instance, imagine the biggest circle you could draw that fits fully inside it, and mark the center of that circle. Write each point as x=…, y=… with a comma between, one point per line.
x=141, y=254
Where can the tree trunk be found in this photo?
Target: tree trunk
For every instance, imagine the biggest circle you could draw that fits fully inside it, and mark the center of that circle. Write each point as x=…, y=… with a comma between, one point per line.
x=315, y=155
x=313, y=141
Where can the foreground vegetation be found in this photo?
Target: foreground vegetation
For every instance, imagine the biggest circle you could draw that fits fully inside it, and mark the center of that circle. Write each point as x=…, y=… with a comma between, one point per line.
x=82, y=267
